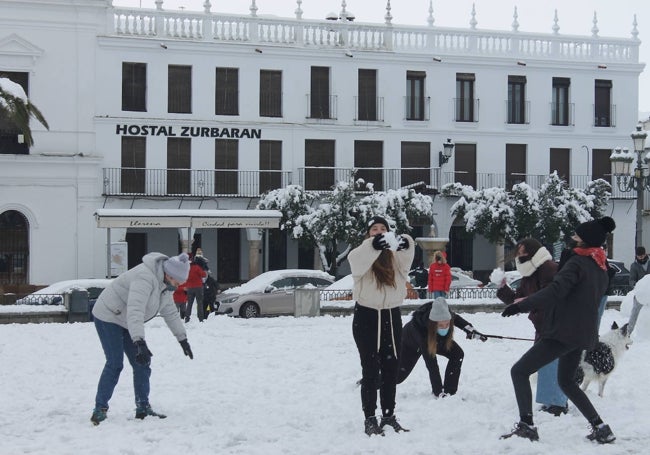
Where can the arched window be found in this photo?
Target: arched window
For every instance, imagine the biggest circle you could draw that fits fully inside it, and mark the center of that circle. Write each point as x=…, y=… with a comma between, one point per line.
x=14, y=248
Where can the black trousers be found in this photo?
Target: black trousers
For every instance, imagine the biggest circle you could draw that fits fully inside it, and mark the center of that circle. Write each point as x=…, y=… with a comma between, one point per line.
x=543, y=352
x=412, y=348
x=378, y=363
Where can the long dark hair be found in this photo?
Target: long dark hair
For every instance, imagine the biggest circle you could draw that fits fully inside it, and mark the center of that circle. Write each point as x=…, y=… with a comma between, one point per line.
x=383, y=269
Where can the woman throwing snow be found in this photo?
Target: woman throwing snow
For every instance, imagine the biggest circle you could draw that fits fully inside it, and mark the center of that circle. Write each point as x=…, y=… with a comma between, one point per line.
x=380, y=268
x=430, y=332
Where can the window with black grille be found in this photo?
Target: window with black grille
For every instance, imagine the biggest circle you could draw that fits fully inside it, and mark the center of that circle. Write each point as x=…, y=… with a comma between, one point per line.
x=319, y=164
x=226, y=163
x=227, y=91
x=134, y=150
x=178, y=165
x=10, y=141
x=179, y=89
x=368, y=160
x=270, y=93
x=270, y=165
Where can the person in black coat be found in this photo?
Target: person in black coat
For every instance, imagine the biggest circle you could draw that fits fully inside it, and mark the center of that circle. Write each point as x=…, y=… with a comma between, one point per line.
x=570, y=326
x=430, y=332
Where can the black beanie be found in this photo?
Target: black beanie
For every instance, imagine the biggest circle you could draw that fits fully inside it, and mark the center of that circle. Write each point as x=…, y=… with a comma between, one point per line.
x=594, y=232
x=375, y=220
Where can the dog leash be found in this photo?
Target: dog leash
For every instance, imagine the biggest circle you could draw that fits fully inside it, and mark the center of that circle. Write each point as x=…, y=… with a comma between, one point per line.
x=501, y=337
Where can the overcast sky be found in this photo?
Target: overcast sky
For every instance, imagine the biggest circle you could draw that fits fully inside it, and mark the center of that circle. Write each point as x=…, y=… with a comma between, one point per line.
x=615, y=17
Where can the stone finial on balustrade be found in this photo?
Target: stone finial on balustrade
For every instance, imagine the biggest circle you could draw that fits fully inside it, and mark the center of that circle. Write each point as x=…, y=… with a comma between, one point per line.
x=515, y=22
x=206, y=6
x=473, y=21
x=253, y=9
x=388, y=17
x=556, y=27
x=430, y=19
x=159, y=4
x=298, y=11
x=594, y=29
x=635, y=31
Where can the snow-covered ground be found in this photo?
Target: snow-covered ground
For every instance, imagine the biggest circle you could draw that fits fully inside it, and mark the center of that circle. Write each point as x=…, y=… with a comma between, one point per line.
x=287, y=385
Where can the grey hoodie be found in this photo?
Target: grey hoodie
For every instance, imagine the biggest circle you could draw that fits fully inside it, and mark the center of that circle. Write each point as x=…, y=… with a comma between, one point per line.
x=138, y=295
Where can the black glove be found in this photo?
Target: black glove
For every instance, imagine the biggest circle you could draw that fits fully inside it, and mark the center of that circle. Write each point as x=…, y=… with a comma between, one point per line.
x=473, y=334
x=186, y=348
x=403, y=244
x=511, y=310
x=143, y=354
x=380, y=243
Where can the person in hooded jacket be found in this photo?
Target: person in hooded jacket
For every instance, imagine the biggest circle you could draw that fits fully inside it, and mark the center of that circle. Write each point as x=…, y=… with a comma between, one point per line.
x=570, y=326
x=123, y=307
x=430, y=332
x=537, y=269
x=380, y=267
x=439, y=275
x=639, y=268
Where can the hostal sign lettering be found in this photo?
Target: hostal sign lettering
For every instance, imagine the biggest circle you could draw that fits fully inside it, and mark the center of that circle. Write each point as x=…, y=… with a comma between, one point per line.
x=187, y=131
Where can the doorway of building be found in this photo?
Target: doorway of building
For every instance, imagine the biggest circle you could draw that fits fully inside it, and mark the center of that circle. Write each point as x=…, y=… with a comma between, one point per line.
x=137, y=247
x=14, y=248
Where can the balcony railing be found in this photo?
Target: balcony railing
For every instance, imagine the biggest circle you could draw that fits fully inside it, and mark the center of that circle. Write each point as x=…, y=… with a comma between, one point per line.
x=204, y=183
x=316, y=178
x=466, y=110
x=192, y=182
x=517, y=112
x=562, y=114
x=322, y=107
x=605, y=118
x=416, y=107
x=369, y=109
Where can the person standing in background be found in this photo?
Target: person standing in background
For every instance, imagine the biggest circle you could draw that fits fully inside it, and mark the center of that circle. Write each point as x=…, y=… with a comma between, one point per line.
x=639, y=268
x=439, y=275
x=537, y=268
x=194, y=288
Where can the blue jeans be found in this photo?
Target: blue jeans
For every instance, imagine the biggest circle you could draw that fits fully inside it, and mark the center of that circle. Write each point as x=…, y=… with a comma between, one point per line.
x=601, y=308
x=437, y=294
x=549, y=392
x=116, y=342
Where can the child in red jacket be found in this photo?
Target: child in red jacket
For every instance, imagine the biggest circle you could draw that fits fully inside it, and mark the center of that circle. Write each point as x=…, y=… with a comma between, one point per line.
x=439, y=275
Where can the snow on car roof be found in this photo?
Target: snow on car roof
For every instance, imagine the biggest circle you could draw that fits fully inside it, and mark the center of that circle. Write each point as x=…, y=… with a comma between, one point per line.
x=344, y=284
x=62, y=286
x=260, y=282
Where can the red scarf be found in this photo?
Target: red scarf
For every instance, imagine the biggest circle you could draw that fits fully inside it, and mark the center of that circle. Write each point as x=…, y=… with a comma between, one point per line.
x=596, y=253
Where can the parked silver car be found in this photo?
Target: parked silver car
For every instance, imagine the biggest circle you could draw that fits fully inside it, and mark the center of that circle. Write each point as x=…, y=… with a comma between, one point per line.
x=270, y=293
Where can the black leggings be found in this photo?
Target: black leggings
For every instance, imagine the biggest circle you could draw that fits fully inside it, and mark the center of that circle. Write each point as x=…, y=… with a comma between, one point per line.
x=378, y=366
x=543, y=352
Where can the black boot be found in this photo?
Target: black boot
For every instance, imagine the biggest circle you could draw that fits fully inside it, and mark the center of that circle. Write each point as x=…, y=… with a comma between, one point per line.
x=392, y=421
x=523, y=430
x=601, y=434
x=371, y=426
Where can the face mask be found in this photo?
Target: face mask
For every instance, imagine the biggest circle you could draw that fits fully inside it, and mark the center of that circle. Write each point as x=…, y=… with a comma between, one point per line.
x=169, y=286
x=524, y=258
x=443, y=332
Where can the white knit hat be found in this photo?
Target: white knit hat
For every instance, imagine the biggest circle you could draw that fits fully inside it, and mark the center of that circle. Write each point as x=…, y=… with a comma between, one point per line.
x=178, y=267
x=439, y=310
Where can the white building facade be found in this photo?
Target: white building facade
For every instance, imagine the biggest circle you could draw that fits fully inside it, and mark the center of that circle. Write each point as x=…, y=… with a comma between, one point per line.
x=156, y=109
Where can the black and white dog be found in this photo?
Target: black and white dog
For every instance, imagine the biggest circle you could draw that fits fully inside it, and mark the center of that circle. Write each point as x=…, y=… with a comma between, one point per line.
x=599, y=363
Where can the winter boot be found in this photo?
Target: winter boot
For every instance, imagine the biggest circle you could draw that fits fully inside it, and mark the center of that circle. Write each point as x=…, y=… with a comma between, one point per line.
x=601, y=434
x=99, y=415
x=523, y=430
x=556, y=410
x=392, y=421
x=371, y=426
x=143, y=411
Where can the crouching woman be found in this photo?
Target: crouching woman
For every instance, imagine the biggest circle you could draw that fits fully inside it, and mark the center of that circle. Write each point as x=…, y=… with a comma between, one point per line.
x=380, y=268
x=430, y=332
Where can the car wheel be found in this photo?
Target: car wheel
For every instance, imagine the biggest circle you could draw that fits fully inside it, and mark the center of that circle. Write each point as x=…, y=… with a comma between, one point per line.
x=249, y=310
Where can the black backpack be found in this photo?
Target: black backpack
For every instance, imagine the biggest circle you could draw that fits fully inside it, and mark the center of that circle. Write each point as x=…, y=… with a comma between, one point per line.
x=210, y=291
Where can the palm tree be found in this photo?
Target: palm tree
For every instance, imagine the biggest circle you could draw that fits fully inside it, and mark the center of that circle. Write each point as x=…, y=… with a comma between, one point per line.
x=16, y=109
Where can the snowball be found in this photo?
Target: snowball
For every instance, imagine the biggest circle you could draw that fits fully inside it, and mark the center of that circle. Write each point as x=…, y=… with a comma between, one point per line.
x=497, y=276
x=642, y=290
x=392, y=241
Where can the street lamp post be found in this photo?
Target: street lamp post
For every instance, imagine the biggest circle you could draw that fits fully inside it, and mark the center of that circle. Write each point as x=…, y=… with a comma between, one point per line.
x=445, y=154
x=638, y=181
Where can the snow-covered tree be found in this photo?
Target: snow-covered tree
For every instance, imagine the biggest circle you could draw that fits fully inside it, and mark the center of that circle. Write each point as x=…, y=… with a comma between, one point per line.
x=16, y=108
x=338, y=223
x=547, y=214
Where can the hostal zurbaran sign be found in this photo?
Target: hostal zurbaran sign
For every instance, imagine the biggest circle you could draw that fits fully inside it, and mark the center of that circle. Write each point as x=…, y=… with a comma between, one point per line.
x=187, y=131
